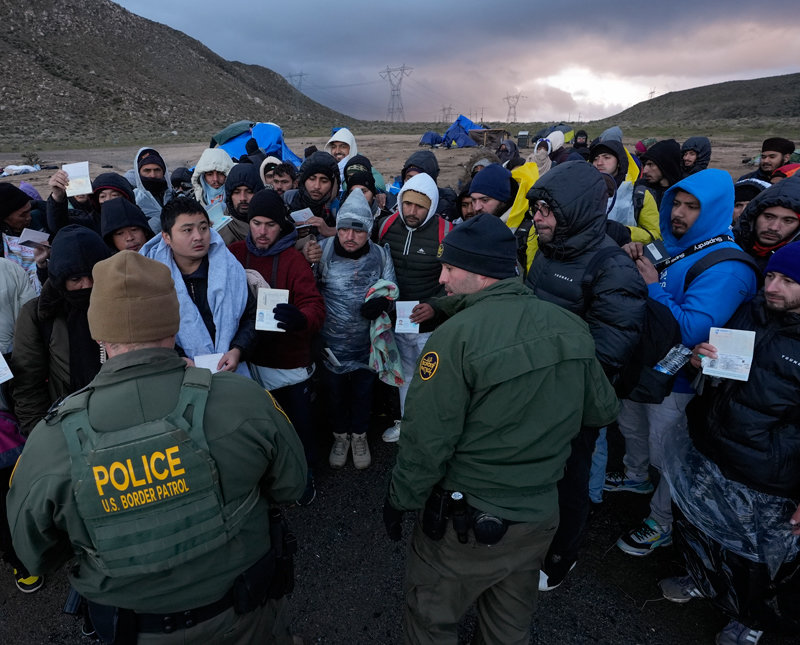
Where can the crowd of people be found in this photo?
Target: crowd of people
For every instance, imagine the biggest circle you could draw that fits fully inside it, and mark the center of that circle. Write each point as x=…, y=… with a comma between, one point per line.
x=509, y=323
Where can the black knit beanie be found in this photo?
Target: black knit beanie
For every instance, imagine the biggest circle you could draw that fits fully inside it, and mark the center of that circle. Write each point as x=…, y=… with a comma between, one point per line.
x=482, y=245
x=11, y=199
x=267, y=203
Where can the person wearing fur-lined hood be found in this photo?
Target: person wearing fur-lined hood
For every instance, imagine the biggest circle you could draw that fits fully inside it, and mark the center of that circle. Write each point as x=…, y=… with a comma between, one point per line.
x=208, y=181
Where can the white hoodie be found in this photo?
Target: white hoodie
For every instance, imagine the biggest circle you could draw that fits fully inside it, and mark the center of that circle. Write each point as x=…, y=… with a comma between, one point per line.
x=345, y=136
x=421, y=183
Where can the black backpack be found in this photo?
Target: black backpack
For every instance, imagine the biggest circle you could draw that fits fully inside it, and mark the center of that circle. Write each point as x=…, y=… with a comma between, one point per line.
x=637, y=380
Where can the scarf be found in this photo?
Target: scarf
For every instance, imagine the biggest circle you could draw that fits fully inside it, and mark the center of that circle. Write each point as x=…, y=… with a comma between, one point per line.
x=84, y=352
x=350, y=255
x=543, y=161
x=212, y=196
x=280, y=245
x=156, y=187
x=764, y=251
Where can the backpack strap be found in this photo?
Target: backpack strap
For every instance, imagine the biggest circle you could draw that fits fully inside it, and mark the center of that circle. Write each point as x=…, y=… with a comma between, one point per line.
x=444, y=228
x=322, y=265
x=638, y=200
x=714, y=257
x=592, y=270
x=639, y=192
x=387, y=223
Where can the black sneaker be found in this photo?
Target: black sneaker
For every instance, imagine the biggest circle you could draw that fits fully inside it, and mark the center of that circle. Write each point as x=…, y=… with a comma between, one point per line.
x=552, y=574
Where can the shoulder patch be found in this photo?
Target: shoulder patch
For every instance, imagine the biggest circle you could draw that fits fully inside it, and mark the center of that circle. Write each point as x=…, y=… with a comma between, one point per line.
x=428, y=365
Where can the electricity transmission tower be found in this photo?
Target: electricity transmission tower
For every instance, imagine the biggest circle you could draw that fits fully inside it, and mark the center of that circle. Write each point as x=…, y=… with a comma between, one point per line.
x=446, y=113
x=512, y=101
x=395, y=77
x=299, y=76
x=297, y=85
x=652, y=92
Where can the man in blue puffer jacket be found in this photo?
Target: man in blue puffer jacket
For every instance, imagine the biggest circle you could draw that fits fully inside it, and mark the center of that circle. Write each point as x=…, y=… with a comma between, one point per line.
x=695, y=218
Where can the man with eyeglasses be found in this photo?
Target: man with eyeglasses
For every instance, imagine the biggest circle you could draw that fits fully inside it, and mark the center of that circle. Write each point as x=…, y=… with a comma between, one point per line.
x=569, y=214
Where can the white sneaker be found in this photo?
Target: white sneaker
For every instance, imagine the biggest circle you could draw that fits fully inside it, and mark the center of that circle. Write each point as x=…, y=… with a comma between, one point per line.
x=361, y=457
x=390, y=435
x=339, y=450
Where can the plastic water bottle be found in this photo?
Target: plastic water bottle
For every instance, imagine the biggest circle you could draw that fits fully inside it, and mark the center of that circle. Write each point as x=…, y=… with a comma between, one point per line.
x=675, y=359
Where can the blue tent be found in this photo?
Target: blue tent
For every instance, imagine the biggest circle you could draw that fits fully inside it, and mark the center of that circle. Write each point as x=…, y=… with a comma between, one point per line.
x=269, y=137
x=457, y=133
x=431, y=138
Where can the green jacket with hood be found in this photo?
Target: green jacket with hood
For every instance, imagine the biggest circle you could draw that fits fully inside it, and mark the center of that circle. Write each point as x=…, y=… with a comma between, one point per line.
x=502, y=388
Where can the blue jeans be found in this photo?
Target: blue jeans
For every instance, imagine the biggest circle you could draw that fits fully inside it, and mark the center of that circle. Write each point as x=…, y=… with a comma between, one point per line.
x=597, y=475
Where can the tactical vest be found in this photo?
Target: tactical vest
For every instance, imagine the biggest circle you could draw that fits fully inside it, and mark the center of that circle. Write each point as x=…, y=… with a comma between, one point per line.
x=149, y=495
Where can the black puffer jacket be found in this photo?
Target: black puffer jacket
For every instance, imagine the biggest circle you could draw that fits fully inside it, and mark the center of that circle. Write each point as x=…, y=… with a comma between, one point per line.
x=577, y=193
x=751, y=429
x=786, y=194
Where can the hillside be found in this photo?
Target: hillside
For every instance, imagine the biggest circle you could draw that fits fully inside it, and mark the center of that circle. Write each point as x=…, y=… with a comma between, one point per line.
x=758, y=103
x=92, y=71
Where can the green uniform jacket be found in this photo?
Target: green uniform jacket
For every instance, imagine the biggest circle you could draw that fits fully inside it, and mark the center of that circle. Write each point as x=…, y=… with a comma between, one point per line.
x=501, y=389
x=249, y=438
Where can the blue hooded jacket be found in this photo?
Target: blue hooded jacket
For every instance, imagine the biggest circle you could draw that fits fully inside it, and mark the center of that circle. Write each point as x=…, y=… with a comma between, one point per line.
x=715, y=294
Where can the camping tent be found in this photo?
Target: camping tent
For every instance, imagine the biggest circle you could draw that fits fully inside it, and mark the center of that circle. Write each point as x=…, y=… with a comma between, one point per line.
x=431, y=138
x=268, y=136
x=568, y=131
x=457, y=133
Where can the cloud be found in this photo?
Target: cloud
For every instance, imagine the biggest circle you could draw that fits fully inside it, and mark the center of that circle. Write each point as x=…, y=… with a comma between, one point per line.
x=578, y=57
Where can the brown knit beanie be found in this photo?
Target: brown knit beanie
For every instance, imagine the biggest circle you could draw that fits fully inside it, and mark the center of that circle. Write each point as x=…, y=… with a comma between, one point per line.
x=415, y=197
x=133, y=300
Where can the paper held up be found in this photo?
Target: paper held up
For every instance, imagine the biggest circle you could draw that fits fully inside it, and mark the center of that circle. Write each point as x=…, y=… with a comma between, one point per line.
x=734, y=353
x=33, y=238
x=404, y=324
x=208, y=361
x=79, y=182
x=267, y=300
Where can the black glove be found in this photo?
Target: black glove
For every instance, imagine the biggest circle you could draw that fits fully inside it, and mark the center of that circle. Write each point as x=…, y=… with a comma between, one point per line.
x=290, y=317
x=371, y=309
x=393, y=521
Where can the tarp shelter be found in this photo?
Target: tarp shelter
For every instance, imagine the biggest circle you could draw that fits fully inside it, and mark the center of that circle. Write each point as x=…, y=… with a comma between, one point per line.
x=431, y=138
x=489, y=138
x=268, y=136
x=457, y=133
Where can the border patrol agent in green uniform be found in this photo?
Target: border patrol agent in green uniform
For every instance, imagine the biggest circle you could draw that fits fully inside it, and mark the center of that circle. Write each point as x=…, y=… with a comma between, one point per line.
x=502, y=388
x=158, y=479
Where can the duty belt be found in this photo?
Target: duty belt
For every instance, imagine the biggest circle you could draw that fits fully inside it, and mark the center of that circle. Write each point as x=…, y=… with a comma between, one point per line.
x=168, y=623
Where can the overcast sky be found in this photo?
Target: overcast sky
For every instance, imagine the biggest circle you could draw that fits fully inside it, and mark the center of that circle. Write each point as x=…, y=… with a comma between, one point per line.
x=573, y=60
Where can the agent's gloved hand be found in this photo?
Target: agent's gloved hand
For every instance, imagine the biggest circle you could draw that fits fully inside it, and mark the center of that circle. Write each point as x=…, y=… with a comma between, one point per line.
x=290, y=317
x=371, y=309
x=393, y=521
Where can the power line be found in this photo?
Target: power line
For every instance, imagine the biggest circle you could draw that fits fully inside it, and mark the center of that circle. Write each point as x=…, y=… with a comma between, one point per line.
x=395, y=77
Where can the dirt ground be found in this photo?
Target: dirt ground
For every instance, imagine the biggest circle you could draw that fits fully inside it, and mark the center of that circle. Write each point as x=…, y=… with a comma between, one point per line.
x=386, y=152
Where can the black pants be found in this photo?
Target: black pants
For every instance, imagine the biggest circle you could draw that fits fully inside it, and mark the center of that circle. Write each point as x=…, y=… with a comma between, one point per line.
x=296, y=403
x=573, y=496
